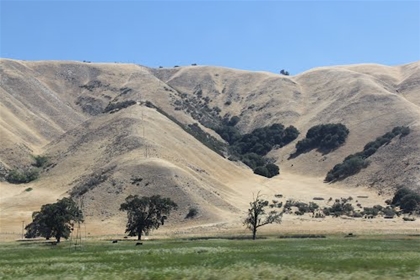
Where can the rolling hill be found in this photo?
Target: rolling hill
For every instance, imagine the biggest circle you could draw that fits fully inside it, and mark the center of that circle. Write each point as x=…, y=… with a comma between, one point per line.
x=110, y=130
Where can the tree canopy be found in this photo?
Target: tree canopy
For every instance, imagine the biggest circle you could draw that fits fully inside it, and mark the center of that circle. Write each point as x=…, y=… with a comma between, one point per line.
x=324, y=137
x=407, y=199
x=146, y=213
x=54, y=220
x=251, y=148
x=257, y=216
x=353, y=163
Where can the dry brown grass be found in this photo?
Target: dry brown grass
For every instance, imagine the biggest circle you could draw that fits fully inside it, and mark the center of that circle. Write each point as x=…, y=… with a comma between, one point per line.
x=40, y=114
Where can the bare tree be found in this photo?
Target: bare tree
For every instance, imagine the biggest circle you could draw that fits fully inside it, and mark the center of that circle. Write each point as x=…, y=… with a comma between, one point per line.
x=257, y=216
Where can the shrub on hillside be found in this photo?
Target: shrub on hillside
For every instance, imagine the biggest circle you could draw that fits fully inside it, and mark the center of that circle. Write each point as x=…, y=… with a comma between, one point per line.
x=270, y=170
x=324, y=137
x=349, y=167
x=192, y=212
x=252, y=147
x=112, y=107
x=263, y=140
x=40, y=161
x=16, y=176
x=352, y=164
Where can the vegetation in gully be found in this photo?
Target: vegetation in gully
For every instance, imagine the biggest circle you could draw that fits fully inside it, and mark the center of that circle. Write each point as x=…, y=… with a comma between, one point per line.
x=356, y=162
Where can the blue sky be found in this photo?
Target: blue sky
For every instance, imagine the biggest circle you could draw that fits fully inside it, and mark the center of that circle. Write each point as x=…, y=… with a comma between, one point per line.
x=249, y=35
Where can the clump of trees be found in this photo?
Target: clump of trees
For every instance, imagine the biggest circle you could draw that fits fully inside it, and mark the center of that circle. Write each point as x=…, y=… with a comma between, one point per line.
x=284, y=72
x=302, y=207
x=340, y=207
x=22, y=176
x=352, y=164
x=407, y=199
x=251, y=148
x=258, y=217
x=146, y=213
x=27, y=174
x=324, y=137
x=54, y=220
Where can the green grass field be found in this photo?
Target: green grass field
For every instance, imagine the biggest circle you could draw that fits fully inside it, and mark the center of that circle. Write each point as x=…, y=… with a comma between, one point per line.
x=380, y=257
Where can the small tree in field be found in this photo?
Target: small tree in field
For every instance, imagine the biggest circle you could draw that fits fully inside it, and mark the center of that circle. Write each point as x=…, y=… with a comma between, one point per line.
x=54, y=220
x=257, y=217
x=146, y=213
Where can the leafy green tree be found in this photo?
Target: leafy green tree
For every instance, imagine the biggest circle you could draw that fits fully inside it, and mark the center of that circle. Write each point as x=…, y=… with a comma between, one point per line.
x=146, y=213
x=257, y=216
x=16, y=176
x=272, y=169
x=407, y=199
x=262, y=171
x=324, y=137
x=54, y=220
x=399, y=194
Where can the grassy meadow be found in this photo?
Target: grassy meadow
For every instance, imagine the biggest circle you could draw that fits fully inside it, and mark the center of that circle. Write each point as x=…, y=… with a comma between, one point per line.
x=380, y=257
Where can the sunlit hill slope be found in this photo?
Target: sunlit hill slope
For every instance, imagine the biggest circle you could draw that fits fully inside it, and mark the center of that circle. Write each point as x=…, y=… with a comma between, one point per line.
x=99, y=154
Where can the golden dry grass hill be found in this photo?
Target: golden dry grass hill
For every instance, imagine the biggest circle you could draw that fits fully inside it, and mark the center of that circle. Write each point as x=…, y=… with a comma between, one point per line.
x=110, y=130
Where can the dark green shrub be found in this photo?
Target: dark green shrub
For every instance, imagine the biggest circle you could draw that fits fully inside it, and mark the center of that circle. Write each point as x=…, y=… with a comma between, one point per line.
x=259, y=141
x=339, y=208
x=40, y=161
x=410, y=203
x=192, y=212
x=261, y=170
x=389, y=212
x=284, y=72
x=17, y=176
x=407, y=199
x=272, y=169
x=112, y=107
x=370, y=211
x=252, y=147
x=349, y=167
x=399, y=194
x=352, y=164
x=324, y=137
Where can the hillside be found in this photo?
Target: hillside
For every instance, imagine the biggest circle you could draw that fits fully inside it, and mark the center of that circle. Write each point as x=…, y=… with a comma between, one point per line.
x=62, y=110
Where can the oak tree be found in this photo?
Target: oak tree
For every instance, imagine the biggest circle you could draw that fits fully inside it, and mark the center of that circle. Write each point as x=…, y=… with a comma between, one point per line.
x=54, y=220
x=146, y=213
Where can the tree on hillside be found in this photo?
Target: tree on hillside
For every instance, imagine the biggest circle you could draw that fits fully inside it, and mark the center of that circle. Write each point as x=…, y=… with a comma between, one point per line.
x=257, y=216
x=146, y=213
x=284, y=72
x=324, y=137
x=54, y=220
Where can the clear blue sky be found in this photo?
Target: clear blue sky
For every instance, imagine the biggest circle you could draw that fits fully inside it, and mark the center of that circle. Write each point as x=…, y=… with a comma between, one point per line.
x=250, y=35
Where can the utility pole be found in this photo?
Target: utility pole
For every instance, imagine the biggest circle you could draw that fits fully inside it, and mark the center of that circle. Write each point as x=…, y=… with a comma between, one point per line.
x=23, y=228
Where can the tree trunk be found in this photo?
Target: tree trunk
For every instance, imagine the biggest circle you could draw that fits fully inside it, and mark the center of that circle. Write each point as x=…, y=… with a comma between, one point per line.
x=139, y=236
x=58, y=237
x=254, y=233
